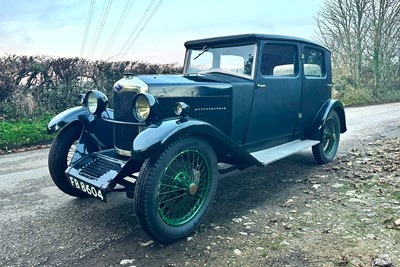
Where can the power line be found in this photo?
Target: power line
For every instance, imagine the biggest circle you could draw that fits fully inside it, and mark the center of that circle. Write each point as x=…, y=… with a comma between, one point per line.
x=87, y=26
x=137, y=30
x=123, y=50
x=144, y=25
x=118, y=27
x=100, y=26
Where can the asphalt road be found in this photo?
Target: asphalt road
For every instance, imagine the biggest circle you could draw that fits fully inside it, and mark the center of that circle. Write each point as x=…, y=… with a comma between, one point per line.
x=40, y=226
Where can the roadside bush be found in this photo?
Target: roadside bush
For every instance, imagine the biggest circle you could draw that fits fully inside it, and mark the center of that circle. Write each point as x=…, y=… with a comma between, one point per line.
x=353, y=93
x=35, y=88
x=33, y=85
x=389, y=96
x=356, y=97
x=14, y=134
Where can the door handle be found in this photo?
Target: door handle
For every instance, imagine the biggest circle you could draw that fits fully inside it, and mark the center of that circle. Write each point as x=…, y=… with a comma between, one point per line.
x=261, y=85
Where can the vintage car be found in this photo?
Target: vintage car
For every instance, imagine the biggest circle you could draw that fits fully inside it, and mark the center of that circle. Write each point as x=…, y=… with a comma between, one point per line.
x=242, y=100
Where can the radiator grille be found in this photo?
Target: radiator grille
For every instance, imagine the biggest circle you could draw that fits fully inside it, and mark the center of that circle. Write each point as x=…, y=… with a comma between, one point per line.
x=123, y=111
x=98, y=167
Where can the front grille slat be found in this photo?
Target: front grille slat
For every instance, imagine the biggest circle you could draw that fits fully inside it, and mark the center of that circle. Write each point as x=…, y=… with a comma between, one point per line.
x=98, y=167
x=124, y=134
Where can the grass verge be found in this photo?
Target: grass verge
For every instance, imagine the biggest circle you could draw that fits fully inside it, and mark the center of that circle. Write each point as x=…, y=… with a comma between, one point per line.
x=16, y=134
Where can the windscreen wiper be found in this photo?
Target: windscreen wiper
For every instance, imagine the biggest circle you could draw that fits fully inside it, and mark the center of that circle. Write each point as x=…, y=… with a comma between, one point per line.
x=205, y=49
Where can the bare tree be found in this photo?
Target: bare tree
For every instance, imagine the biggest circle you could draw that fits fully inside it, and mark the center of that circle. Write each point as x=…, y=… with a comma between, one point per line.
x=342, y=26
x=364, y=37
x=384, y=37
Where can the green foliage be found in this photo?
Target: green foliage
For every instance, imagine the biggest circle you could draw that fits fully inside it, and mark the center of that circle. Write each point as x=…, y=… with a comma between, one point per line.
x=349, y=91
x=15, y=134
x=31, y=86
x=389, y=96
x=34, y=88
x=356, y=97
x=362, y=97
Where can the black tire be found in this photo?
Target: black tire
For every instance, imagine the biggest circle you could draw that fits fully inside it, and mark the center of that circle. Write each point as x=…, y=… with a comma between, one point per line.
x=326, y=150
x=58, y=159
x=175, y=189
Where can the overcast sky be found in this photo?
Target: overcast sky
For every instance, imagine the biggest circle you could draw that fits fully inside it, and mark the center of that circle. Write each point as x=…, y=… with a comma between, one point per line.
x=56, y=27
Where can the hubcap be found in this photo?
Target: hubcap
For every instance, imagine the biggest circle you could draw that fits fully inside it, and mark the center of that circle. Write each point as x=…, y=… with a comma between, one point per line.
x=329, y=138
x=183, y=187
x=182, y=180
x=192, y=188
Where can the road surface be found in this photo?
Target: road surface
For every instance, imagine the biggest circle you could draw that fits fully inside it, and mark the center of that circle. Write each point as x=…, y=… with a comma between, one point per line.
x=41, y=226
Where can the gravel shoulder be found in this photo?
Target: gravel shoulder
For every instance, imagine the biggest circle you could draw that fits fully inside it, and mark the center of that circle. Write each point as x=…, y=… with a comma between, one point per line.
x=342, y=214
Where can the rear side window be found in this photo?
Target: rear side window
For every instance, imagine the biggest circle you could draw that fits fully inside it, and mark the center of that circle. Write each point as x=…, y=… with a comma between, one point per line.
x=314, y=65
x=279, y=60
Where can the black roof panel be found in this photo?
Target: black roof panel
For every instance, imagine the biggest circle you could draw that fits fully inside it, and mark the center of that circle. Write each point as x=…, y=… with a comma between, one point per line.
x=245, y=38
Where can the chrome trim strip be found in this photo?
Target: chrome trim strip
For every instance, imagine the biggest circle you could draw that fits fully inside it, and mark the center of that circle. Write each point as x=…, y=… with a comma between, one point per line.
x=255, y=55
x=122, y=152
x=124, y=122
x=131, y=83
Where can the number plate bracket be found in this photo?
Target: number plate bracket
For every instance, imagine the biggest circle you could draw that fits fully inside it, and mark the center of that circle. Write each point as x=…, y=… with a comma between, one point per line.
x=94, y=174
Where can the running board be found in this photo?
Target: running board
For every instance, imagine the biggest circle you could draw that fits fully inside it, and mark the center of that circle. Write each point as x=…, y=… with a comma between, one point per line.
x=269, y=155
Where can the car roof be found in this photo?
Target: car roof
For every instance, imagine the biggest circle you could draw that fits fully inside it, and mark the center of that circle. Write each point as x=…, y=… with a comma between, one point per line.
x=245, y=38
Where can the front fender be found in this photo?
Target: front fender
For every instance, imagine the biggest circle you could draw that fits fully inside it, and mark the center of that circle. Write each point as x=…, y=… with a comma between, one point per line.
x=75, y=114
x=331, y=104
x=68, y=116
x=100, y=131
x=154, y=139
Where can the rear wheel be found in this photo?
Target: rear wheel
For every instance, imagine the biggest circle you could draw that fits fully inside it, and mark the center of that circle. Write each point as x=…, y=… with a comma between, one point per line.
x=60, y=155
x=175, y=190
x=326, y=150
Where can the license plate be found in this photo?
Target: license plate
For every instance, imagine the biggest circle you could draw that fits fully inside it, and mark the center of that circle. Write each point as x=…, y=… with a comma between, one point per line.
x=87, y=188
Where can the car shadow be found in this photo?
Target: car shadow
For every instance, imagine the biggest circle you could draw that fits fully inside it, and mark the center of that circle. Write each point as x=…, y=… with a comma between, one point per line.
x=241, y=191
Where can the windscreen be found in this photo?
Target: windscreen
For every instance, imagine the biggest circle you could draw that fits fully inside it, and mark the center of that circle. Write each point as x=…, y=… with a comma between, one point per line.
x=234, y=60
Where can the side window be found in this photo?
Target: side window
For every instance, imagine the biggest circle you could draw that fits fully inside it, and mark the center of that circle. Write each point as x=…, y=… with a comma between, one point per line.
x=314, y=65
x=279, y=60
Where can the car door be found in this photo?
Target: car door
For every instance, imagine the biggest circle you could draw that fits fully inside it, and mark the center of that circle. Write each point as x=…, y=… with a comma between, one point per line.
x=277, y=94
x=315, y=68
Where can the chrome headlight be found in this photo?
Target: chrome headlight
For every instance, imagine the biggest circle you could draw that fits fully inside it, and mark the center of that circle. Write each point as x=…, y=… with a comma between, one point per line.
x=95, y=102
x=144, y=106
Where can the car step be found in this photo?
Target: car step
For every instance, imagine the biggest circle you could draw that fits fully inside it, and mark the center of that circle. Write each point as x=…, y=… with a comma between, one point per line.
x=270, y=155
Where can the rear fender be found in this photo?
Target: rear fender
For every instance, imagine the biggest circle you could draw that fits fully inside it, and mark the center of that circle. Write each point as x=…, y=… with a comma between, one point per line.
x=315, y=130
x=154, y=139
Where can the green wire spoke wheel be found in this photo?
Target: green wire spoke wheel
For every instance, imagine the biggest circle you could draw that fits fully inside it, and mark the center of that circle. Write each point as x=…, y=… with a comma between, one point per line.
x=183, y=187
x=175, y=189
x=326, y=150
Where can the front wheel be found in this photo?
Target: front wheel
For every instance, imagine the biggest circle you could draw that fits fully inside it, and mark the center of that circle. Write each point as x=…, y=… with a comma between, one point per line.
x=175, y=189
x=60, y=155
x=326, y=150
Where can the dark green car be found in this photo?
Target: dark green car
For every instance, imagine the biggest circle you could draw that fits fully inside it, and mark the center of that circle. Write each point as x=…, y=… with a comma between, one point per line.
x=243, y=100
